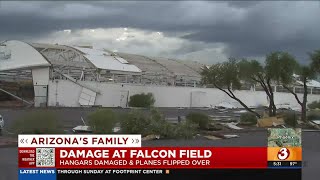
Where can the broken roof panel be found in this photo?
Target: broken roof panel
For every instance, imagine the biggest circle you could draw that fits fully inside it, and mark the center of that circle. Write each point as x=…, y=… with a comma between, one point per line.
x=311, y=83
x=104, y=60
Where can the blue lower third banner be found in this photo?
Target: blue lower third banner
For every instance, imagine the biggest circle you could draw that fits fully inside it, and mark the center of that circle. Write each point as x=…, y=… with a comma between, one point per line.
x=37, y=174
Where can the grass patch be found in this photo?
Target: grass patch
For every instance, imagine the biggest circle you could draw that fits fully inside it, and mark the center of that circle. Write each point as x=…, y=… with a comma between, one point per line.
x=37, y=122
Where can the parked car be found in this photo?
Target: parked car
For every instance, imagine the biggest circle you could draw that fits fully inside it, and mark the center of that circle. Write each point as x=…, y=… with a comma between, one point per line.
x=1, y=124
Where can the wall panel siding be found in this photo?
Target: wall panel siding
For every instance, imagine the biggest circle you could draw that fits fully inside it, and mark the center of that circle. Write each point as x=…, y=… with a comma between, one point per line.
x=66, y=93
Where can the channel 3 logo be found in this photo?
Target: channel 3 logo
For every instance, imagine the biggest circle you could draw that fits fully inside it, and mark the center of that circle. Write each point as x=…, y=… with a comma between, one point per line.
x=283, y=154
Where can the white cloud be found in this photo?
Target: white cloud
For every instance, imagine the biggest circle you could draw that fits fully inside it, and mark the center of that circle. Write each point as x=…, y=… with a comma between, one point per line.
x=139, y=42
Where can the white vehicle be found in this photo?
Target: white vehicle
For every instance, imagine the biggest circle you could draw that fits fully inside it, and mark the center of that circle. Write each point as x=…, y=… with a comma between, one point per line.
x=1, y=124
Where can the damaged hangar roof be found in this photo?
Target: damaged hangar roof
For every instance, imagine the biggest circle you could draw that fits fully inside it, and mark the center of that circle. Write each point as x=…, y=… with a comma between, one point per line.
x=28, y=55
x=125, y=62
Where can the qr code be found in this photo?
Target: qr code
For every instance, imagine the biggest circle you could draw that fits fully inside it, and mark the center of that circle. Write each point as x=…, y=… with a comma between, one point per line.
x=45, y=157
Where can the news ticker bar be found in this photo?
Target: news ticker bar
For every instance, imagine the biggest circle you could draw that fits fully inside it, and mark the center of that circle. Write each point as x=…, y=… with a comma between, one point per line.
x=97, y=174
x=160, y=157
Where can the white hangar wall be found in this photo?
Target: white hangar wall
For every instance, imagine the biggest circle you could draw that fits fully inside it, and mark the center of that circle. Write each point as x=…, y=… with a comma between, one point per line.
x=66, y=94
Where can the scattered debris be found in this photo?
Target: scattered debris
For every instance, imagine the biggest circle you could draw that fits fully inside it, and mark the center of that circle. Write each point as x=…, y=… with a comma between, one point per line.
x=116, y=129
x=283, y=106
x=1, y=124
x=222, y=118
x=314, y=125
x=231, y=136
x=241, y=111
x=231, y=125
x=150, y=137
x=225, y=105
x=212, y=137
x=270, y=121
x=287, y=106
x=82, y=129
x=316, y=122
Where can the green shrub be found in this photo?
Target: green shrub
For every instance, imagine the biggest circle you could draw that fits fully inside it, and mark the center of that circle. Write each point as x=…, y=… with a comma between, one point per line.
x=291, y=119
x=135, y=122
x=201, y=119
x=184, y=130
x=248, y=118
x=102, y=121
x=313, y=116
x=37, y=122
x=314, y=105
x=142, y=100
x=158, y=125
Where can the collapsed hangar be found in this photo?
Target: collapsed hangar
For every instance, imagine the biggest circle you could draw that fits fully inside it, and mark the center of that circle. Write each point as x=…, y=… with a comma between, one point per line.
x=47, y=62
x=75, y=76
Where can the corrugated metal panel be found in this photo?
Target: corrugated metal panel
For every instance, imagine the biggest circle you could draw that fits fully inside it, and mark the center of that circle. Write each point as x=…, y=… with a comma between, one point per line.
x=87, y=97
x=104, y=60
x=108, y=62
x=123, y=61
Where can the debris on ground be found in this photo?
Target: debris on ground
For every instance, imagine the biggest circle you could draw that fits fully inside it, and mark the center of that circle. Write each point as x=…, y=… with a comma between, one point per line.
x=150, y=137
x=287, y=106
x=240, y=112
x=82, y=129
x=270, y=121
x=116, y=129
x=225, y=105
x=314, y=125
x=231, y=125
x=1, y=125
x=212, y=137
x=228, y=136
x=222, y=118
x=283, y=106
x=316, y=122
